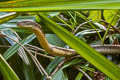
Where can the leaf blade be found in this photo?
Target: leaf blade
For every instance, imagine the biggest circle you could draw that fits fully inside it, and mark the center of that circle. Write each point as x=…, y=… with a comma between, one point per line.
x=57, y=5
x=84, y=50
x=6, y=70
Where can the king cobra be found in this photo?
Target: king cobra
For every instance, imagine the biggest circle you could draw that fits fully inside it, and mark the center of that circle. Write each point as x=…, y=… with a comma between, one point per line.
x=59, y=51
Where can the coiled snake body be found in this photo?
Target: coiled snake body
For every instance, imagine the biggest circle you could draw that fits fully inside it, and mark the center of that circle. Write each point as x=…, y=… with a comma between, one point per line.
x=58, y=51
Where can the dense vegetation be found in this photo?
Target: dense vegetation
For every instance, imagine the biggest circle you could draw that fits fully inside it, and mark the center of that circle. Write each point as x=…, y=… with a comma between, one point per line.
x=23, y=58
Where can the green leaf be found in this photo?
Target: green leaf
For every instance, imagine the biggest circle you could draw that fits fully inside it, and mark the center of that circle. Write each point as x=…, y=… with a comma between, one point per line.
x=54, y=40
x=6, y=70
x=13, y=49
x=55, y=5
x=109, y=15
x=20, y=51
x=53, y=64
x=8, y=16
x=87, y=68
x=95, y=15
x=73, y=62
x=29, y=72
x=60, y=75
x=84, y=50
x=79, y=76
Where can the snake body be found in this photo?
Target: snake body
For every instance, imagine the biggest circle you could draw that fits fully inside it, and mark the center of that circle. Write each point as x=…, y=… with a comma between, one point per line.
x=59, y=51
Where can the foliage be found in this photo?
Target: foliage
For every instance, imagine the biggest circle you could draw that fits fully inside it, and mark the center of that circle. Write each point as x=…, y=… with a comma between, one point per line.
x=28, y=61
x=47, y=5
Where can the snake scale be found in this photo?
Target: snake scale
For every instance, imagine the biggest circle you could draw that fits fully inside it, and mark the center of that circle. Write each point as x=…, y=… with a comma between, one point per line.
x=59, y=51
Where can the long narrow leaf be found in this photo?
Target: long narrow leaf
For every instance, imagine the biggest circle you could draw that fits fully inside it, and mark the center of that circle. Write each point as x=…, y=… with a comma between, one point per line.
x=12, y=50
x=55, y=5
x=84, y=50
x=6, y=70
x=7, y=17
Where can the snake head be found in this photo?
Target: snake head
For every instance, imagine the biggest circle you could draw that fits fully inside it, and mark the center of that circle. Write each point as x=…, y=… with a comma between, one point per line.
x=27, y=24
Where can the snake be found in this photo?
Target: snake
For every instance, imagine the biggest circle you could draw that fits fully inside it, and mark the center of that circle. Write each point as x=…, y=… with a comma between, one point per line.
x=59, y=51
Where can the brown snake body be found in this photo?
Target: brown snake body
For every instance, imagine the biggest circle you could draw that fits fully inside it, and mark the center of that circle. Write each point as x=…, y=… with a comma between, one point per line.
x=58, y=51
